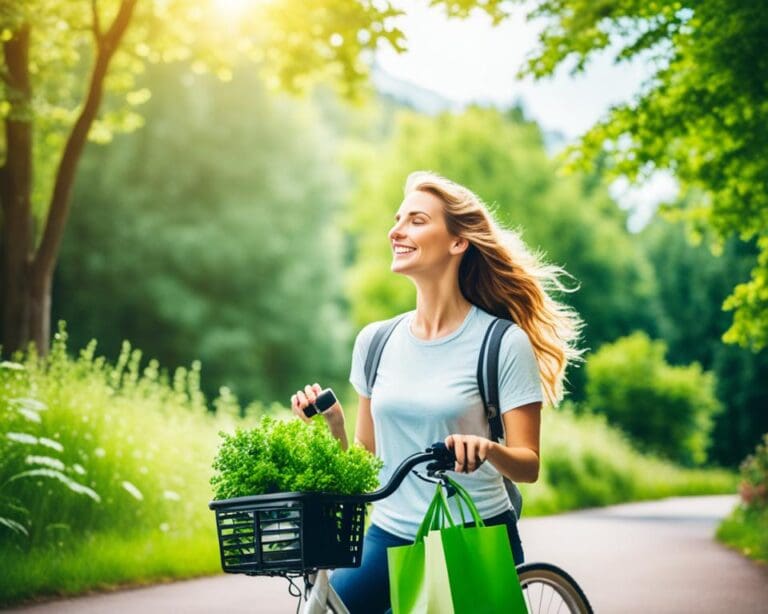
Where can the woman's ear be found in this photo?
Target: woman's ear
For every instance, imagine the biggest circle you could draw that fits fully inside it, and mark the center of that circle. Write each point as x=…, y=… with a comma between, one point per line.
x=459, y=246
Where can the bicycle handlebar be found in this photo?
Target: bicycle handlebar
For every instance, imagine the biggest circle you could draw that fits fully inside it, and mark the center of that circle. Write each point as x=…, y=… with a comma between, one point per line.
x=443, y=459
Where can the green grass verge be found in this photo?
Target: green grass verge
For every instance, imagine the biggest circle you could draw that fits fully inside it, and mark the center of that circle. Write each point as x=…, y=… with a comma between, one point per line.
x=104, y=562
x=586, y=463
x=746, y=530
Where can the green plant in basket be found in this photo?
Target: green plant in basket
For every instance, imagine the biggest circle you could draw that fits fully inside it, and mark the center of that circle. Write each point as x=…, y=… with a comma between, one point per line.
x=292, y=456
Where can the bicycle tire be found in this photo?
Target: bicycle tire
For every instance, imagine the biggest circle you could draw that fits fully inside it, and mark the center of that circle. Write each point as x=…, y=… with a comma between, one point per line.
x=544, y=583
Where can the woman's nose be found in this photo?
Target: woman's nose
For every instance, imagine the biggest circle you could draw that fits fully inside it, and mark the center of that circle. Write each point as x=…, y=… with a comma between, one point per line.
x=395, y=232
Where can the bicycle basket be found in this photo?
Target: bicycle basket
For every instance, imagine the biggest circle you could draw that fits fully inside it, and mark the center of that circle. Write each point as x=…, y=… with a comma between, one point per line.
x=289, y=532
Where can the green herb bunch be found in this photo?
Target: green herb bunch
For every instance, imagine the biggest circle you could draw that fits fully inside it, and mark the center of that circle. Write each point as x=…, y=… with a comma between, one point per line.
x=290, y=456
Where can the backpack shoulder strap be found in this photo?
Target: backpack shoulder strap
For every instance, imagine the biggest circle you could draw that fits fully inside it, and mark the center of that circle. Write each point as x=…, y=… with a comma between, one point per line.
x=488, y=373
x=380, y=338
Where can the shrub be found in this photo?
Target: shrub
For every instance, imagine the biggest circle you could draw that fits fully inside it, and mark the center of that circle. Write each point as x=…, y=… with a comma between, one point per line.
x=754, y=477
x=665, y=409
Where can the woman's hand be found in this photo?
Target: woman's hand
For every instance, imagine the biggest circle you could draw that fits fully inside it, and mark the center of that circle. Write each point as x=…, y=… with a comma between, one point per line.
x=334, y=415
x=471, y=451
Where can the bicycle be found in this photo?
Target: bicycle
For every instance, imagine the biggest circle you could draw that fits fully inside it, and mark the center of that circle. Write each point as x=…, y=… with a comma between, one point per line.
x=295, y=535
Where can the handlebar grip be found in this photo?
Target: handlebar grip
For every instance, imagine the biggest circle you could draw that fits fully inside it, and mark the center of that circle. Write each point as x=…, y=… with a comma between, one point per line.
x=325, y=400
x=444, y=457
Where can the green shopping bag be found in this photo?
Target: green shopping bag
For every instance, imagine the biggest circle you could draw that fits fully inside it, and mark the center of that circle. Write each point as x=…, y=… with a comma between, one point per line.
x=451, y=569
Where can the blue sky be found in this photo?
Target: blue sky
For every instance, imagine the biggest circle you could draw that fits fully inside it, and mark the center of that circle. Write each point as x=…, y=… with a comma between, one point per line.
x=470, y=60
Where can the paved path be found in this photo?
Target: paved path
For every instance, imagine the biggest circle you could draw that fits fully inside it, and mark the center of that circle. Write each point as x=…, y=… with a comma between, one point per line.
x=657, y=557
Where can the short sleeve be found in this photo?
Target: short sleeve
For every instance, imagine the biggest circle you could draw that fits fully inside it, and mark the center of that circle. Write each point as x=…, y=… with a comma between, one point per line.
x=519, y=379
x=359, y=355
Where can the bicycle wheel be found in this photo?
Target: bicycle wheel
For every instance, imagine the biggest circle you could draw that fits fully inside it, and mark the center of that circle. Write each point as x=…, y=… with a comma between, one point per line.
x=547, y=588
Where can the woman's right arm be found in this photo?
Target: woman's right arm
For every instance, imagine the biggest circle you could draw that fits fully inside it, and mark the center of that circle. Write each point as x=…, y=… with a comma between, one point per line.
x=364, y=434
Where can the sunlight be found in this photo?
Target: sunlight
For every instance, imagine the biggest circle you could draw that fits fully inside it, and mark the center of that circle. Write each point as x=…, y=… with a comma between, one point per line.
x=232, y=8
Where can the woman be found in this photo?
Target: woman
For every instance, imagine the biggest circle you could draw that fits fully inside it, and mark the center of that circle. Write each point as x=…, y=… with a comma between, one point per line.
x=466, y=271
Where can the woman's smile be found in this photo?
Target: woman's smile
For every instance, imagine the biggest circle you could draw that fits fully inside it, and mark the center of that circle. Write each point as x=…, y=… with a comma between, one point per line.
x=402, y=250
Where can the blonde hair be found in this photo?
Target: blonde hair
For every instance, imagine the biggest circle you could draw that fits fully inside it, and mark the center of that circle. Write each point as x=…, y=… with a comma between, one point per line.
x=499, y=274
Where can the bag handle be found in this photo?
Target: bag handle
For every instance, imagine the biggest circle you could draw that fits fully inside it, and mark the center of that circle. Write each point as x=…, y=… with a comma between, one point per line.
x=437, y=516
x=463, y=496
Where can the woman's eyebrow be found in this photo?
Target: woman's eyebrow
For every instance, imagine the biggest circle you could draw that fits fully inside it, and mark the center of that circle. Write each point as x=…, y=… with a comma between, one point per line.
x=412, y=213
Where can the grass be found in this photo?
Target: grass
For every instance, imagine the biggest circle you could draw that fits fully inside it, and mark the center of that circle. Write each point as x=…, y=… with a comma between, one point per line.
x=587, y=463
x=143, y=441
x=107, y=561
x=127, y=455
x=746, y=530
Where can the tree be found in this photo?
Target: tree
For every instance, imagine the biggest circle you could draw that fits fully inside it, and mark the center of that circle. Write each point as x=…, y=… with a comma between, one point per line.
x=666, y=410
x=256, y=296
x=702, y=115
x=692, y=284
x=62, y=58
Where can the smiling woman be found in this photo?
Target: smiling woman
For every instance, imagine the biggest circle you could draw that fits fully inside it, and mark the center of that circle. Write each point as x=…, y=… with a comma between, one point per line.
x=469, y=273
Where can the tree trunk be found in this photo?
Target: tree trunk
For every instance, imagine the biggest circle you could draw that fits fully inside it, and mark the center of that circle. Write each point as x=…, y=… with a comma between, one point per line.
x=27, y=271
x=15, y=190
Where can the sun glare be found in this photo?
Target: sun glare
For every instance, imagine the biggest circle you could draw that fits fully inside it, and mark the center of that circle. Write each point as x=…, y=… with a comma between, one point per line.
x=232, y=8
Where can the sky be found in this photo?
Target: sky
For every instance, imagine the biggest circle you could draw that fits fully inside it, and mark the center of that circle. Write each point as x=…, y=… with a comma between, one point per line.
x=473, y=61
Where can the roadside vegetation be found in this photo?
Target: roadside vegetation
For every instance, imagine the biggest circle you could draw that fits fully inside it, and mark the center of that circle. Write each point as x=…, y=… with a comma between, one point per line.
x=105, y=471
x=746, y=529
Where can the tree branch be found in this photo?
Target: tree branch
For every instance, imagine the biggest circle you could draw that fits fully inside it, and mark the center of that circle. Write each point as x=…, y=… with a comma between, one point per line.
x=96, y=22
x=73, y=149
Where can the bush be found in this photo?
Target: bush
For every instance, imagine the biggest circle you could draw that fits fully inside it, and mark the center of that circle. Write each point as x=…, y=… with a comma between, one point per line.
x=587, y=463
x=292, y=456
x=747, y=527
x=665, y=409
x=754, y=477
x=121, y=455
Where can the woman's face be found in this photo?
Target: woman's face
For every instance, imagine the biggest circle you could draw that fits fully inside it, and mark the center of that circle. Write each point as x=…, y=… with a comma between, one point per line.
x=419, y=239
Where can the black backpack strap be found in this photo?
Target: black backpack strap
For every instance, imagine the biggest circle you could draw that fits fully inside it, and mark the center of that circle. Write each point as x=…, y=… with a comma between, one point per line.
x=380, y=338
x=490, y=375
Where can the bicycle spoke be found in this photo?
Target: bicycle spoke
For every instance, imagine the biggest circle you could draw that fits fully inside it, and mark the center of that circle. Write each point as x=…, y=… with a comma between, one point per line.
x=529, y=593
x=528, y=599
x=541, y=594
x=551, y=597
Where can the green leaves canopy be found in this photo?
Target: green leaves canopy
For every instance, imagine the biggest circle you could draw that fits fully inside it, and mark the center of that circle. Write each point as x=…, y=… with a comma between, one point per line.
x=703, y=115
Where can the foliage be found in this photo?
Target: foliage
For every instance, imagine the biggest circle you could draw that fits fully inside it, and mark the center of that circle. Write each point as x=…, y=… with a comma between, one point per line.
x=212, y=234
x=131, y=444
x=747, y=531
x=69, y=74
x=586, y=462
x=143, y=425
x=290, y=43
x=692, y=284
x=27, y=457
x=501, y=156
x=290, y=456
x=754, y=477
x=665, y=409
x=702, y=115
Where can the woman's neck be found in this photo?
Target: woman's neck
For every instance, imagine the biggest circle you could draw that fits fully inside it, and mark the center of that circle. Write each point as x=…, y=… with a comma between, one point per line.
x=440, y=310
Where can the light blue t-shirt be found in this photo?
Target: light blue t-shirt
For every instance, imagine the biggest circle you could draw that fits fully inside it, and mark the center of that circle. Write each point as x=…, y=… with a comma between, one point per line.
x=427, y=390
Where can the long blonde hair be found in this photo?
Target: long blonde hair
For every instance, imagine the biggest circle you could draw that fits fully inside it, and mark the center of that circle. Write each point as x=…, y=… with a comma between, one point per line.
x=499, y=274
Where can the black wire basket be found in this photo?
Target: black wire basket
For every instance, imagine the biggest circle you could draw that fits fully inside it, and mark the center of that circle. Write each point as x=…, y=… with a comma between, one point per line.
x=285, y=533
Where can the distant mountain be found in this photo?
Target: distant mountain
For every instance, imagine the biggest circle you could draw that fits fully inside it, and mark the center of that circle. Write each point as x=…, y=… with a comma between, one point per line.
x=408, y=94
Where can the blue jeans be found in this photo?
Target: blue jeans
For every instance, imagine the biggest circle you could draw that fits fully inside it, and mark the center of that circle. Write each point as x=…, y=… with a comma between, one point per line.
x=365, y=589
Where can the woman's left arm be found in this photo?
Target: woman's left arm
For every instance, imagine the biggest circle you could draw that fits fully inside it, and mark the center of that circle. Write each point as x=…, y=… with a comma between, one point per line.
x=518, y=459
